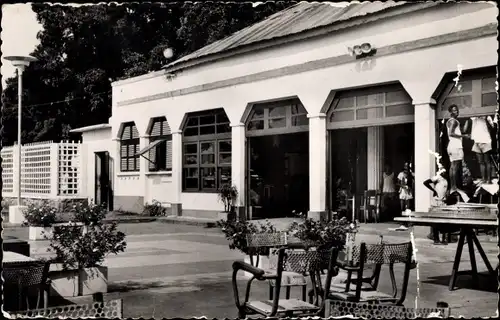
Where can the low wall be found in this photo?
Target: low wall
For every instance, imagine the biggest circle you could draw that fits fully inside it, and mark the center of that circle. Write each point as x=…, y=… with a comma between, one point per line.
x=62, y=205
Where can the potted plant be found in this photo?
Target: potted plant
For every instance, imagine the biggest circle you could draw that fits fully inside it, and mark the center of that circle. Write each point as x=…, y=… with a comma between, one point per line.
x=39, y=219
x=227, y=195
x=237, y=231
x=78, y=269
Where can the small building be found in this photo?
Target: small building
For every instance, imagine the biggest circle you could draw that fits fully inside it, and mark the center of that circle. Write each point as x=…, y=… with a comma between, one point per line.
x=287, y=107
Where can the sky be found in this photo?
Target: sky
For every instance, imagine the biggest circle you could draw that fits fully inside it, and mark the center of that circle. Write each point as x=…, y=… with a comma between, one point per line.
x=19, y=30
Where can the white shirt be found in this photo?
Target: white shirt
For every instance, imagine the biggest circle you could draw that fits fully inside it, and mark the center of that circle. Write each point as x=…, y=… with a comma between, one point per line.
x=455, y=143
x=479, y=132
x=388, y=186
x=441, y=186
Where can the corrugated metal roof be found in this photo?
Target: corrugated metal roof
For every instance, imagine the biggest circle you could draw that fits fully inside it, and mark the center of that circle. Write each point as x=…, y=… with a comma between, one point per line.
x=298, y=18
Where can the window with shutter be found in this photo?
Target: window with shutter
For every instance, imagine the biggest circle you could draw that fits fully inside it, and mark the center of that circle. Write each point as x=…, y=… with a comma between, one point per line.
x=206, y=151
x=161, y=155
x=129, y=146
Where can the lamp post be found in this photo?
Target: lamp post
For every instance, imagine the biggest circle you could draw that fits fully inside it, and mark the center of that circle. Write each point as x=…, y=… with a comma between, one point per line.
x=20, y=62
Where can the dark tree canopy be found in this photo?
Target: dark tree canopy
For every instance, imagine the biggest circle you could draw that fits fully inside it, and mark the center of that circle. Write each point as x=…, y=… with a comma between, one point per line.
x=83, y=49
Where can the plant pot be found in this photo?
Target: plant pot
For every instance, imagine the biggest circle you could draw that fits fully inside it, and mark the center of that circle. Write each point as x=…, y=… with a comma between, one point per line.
x=74, y=283
x=229, y=216
x=40, y=233
x=263, y=264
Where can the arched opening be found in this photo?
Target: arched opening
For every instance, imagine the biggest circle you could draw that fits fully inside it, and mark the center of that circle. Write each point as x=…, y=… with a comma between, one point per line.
x=277, y=159
x=369, y=129
x=158, y=152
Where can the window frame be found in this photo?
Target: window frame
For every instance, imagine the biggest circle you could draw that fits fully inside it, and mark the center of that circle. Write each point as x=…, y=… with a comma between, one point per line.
x=200, y=139
x=167, y=136
x=128, y=144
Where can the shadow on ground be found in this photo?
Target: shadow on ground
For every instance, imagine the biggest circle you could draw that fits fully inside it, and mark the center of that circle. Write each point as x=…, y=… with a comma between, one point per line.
x=133, y=286
x=484, y=282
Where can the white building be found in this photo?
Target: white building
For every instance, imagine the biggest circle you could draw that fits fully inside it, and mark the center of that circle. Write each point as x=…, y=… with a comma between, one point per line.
x=281, y=108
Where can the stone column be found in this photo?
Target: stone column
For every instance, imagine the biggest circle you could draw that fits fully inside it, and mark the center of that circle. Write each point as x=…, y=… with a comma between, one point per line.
x=177, y=173
x=238, y=147
x=375, y=156
x=317, y=166
x=425, y=163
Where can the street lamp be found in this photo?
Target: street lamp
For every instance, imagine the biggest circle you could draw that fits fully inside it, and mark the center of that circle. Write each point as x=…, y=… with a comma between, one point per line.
x=20, y=63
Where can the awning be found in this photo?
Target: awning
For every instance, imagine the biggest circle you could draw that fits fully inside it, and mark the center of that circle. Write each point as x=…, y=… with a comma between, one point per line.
x=150, y=146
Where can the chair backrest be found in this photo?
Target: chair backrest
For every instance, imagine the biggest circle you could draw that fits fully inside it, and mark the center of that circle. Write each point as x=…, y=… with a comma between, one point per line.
x=337, y=308
x=112, y=309
x=384, y=253
x=267, y=239
x=26, y=274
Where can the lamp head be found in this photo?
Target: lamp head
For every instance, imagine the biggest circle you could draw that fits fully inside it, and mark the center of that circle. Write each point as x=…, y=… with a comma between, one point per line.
x=168, y=53
x=20, y=61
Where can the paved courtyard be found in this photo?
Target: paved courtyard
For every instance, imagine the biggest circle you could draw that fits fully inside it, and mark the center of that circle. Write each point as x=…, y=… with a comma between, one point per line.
x=184, y=271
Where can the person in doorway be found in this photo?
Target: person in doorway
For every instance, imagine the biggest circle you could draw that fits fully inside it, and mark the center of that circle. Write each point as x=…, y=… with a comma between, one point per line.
x=480, y=134
x=405, y=183
x=388, y=191
x=455, y=148
x=439, y=187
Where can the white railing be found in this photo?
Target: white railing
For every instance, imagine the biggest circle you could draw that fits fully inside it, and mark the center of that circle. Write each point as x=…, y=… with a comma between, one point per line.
x=48, y=170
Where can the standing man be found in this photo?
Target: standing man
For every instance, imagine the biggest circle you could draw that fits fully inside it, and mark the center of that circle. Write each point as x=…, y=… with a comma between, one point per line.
x=455, y=148
x=480, y=133
x=439, y=187
x=388, y=191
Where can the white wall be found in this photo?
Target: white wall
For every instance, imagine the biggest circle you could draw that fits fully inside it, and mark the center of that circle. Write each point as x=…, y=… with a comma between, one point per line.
x=419, y=71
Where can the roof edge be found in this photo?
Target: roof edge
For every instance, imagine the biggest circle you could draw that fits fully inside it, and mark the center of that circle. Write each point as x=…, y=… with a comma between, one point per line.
x=94, y=127
x=299, y=36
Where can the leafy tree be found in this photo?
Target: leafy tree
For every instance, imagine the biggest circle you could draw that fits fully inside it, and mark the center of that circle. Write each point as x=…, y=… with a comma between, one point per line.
x=83, y=49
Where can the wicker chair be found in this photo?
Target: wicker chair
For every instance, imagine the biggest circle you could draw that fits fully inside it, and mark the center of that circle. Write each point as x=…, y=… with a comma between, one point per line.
x=22, y=277
x=336, y=308
x=379, y=255
x=290, y=257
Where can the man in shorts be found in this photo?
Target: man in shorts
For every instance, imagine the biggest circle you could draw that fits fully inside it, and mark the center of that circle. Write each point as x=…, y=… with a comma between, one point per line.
x=455, y=147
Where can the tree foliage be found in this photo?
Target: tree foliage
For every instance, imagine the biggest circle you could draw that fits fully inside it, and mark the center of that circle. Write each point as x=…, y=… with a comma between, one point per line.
x=83, y=49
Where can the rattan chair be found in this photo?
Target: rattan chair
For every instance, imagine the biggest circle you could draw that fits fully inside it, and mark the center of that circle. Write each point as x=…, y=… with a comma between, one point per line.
x=23, y=277
x=378, y=255
x=336, y=308
x=289, y=257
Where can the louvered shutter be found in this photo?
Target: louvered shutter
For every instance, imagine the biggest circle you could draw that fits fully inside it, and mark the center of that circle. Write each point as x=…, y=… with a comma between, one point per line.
x=169, y=154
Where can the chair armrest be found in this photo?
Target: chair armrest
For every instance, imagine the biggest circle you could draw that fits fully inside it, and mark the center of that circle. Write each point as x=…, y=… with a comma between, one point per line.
x=345, y=266
x=240, y=265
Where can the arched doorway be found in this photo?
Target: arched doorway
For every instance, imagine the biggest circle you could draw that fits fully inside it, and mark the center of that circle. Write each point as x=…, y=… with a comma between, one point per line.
x=277, y=159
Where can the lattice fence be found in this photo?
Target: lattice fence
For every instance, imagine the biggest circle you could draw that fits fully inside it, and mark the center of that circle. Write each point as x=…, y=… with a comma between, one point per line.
x=48, y=170
x=7, y=170
x=111, y=309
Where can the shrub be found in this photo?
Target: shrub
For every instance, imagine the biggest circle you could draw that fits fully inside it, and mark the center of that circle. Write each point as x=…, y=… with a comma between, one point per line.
x=40, y=215
x=155, y=209
x=236, y=232
x=77, y=249
x=227, y=195
x=89, y=213
x=324, y=234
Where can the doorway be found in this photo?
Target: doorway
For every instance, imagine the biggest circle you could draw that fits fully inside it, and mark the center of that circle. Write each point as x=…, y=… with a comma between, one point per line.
x=103, y=183
x=278, y=175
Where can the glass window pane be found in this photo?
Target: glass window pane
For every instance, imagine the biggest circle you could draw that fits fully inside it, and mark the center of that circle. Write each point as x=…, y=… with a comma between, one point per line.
x=190, y=159
x=191, y=148
x=224, y=158
x=222, y=118
x=258, y=113
x=298, y=109
x=208, y=159
x=300, y=120
x=256, y=125
x=489, y=99
x=207, y=130
x=224, y=146
x=191, y=172
x=345, y=103
x=277, y=123
x=188, y=132
x=224, y=176
x=399, y=110
x=223, y=128
x=208, y=178
x=370, y=113
x=461, y=102
x=277, y=112
x=462, y=87
x=192, y=121
x=208, y=119
x=207, y=147
x=339, y=116
x=488, y=84
x=397, y=96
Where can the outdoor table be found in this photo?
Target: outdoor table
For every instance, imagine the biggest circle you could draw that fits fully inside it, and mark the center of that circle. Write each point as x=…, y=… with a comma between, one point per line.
x=15, y=258
x=467, y=227
x=14, y=244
